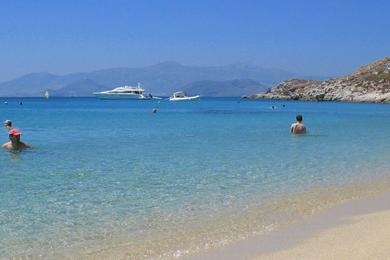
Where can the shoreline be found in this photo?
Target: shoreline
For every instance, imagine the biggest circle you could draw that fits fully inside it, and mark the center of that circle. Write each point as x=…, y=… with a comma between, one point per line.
x=316, y=233
x=255, y=98
x=241, y=247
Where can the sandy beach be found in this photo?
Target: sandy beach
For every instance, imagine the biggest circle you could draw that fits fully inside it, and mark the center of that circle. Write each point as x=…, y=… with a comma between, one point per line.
x=356, y=229
x=365, y=237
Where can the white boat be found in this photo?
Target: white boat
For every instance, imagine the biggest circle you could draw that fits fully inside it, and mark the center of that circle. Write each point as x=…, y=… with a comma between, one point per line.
x=46, y=94
x=182, y=96
x=124, y=92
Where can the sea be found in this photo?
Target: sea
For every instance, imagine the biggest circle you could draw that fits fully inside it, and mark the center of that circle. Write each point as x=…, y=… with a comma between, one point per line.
x=110, y=179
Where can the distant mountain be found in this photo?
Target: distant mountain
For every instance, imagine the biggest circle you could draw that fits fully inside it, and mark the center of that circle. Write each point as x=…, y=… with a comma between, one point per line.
x=230, y=88
x=78, y=88
x=28, y=84
x=159, y=79
x=370, y=83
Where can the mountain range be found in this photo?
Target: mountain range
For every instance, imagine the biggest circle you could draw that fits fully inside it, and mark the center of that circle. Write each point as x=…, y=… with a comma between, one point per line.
x=160, y=79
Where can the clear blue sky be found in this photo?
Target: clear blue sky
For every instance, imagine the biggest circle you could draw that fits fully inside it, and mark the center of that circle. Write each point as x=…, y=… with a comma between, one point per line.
x=331, y=37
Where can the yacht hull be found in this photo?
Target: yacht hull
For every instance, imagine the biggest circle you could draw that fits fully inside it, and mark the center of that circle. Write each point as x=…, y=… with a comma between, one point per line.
x=120, y=96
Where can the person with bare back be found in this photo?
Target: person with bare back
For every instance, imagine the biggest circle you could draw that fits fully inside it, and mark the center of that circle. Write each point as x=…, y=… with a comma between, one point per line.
x=298, y=127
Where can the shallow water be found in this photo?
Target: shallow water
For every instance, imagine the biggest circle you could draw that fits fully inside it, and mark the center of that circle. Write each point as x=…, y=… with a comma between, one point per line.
x=110, y=177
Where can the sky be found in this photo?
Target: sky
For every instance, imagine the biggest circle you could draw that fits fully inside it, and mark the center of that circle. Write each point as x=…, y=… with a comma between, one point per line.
x=323, y=38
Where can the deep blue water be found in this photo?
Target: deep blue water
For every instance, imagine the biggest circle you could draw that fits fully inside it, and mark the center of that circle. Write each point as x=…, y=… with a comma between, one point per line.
x=104, y=171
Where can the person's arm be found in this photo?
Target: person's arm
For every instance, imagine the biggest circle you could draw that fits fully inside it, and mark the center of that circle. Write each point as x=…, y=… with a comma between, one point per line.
x=292, y=128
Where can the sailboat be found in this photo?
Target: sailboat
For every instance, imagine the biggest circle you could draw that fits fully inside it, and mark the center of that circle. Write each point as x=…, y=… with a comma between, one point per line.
x=46, y=94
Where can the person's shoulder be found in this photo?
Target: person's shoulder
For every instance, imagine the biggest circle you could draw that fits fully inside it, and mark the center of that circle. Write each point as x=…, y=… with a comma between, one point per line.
x=24, y=145
x=7, y=145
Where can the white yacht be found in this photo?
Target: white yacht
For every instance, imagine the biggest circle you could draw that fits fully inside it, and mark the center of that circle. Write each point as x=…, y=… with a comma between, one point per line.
x=182, y=96
x=124, y=92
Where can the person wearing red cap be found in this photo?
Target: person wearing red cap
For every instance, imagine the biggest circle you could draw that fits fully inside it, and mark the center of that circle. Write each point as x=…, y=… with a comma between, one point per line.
x=15, y=143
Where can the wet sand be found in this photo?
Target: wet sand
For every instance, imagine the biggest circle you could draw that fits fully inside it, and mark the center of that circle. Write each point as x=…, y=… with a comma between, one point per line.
x=356, y=229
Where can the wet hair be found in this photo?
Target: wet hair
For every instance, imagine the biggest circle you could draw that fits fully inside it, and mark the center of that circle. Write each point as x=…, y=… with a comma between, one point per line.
x=8, y=123
x=299, y=118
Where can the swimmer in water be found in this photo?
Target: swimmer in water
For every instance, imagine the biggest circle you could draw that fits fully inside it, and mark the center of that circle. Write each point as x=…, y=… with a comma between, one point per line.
x=15, y=144
x=298, y=127
x=8, y=124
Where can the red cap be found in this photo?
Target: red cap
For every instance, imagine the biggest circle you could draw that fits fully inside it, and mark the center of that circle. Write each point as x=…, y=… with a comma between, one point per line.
x=14, y=132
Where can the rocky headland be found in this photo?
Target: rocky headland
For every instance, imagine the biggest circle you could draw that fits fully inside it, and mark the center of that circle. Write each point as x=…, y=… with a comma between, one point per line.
x=370, y=83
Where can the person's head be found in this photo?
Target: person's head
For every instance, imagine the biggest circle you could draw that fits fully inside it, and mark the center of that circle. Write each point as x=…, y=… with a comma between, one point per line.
x=299, y=118
x=14, y=135
x=8, y=124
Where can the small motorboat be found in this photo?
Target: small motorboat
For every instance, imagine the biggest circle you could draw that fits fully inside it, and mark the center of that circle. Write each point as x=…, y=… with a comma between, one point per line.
x=182, y=96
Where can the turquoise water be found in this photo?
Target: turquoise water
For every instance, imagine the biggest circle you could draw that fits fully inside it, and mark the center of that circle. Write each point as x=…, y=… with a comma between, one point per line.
x=110, y=176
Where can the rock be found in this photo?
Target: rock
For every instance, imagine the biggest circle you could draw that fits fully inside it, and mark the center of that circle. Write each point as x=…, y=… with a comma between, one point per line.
x=370, y=83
